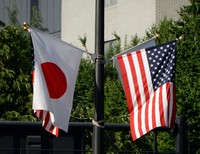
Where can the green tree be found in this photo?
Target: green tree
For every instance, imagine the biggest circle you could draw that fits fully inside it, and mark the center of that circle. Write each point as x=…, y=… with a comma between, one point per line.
x=188, y=70
x=16, y=66
x=188, y=65
x=83, y=103
x=15, y=74
x=15, y=83
x=2, y=24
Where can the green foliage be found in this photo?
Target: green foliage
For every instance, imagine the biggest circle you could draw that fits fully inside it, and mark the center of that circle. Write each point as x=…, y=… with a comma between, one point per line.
x=188, y=65
x=2, y=24
x=15, y=74
x=15, y=82
x=83, y=105
x=188, y=70
x=15, y=68
x=83, y=41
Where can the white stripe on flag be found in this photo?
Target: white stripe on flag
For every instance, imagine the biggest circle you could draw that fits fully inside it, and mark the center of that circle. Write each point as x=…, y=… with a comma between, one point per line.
x=165, y=103
x=157, y=109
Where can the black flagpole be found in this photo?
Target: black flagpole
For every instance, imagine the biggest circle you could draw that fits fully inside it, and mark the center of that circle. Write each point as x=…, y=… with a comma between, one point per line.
x=98, y=122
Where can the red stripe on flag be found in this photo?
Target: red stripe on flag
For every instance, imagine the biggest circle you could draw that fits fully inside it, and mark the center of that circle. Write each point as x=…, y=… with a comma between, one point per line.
x=161, y=107
x=128, y=94
x=132, y=128
x=168, y=100
x=174, y=106
x=45, y=116
x=154, y=111
x=171, y=98
x=54, y=130
x=40, y=114
x=46, y=120
x=125, y=84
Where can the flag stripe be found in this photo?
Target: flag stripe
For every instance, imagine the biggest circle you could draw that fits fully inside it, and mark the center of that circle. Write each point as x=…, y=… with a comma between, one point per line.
x=144, y=89
x=154, y=111
x=138, y=103
x=125, y=65
x=125, y=83
x=119, y=64
x=145, y=94
x=166, y=103
x=138, y=90
x=172, y=105
x=47, y=125
x=161, y=106
x=134, y=64
x=157, y=109
x=150, y=113
x=148, y=90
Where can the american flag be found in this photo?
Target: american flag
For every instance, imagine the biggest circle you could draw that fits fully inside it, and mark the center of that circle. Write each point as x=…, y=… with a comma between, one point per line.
x=148, y=77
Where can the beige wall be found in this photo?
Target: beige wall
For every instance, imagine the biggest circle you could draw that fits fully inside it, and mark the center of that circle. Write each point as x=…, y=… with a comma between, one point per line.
x=78, y=18
x=169, y=8
x=127, y=17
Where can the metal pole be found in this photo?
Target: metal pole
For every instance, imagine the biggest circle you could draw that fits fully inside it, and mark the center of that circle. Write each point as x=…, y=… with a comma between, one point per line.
x=181, y=138
x=98, y=122
x=155, y=141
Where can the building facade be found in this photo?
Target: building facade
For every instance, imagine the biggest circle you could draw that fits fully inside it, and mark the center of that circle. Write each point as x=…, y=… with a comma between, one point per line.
x=76, y=18
x=123, y=17
x=50, y=11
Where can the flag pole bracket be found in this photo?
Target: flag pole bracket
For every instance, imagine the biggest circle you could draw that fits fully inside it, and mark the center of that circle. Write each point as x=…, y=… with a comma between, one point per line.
x=98, y=123
x=98, y=57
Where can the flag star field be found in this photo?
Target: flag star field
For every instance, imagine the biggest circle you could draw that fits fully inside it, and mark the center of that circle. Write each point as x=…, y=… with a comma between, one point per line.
x=162, y=64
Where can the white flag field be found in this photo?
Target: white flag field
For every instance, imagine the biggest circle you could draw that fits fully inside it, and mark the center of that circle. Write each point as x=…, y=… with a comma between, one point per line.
x=56, y=66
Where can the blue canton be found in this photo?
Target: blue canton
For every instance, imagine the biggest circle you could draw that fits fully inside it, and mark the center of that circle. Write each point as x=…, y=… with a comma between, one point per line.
x=161, y=60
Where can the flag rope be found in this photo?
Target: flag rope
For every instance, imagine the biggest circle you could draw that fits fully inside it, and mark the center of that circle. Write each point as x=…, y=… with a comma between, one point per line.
x=97, y=123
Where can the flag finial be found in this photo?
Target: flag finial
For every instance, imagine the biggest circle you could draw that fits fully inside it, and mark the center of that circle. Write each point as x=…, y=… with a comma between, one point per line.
x=157, y=36
x=26, y=26
x=181, y=38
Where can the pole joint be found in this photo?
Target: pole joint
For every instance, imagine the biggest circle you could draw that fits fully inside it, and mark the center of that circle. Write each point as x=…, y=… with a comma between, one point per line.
x=98, y=58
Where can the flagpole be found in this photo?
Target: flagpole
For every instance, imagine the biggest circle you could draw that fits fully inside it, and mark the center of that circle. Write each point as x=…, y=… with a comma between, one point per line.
x=98, y=122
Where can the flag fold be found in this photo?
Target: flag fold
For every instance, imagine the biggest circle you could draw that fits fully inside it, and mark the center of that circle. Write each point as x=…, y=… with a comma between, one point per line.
x=56, y=65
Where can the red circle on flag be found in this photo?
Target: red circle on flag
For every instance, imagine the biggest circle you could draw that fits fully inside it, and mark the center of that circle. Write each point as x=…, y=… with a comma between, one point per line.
x=55, y=79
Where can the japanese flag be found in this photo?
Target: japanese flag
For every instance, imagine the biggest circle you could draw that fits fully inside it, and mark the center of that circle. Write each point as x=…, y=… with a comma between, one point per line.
x=56, y=65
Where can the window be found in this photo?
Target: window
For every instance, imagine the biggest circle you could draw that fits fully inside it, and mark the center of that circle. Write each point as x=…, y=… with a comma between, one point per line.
x=110, y=2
